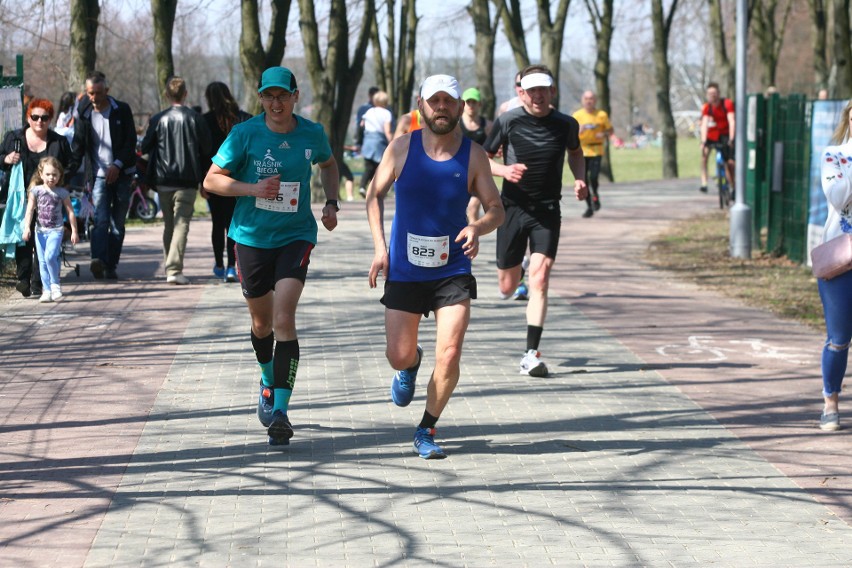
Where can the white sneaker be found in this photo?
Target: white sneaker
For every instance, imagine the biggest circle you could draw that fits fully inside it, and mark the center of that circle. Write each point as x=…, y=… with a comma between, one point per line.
x=45, y=297
x=56, y=293
x=532, y=364
x=178, y=279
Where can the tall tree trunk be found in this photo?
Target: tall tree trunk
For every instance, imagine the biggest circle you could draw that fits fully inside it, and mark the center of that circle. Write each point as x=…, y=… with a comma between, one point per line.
x=335, y=79
x=513, y=27
x=483, y=50
x=662, y=27
x=84, y=32
x=253, y=57
x=163, y=12
x=819, y=31
x=770, y=35
x=840, y=80
x=552, y=33
x=407, y=46
x=724, y=67
x=603, y=28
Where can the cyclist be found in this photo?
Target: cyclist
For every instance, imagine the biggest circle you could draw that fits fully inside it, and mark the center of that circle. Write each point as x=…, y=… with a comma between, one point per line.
x=717, y=133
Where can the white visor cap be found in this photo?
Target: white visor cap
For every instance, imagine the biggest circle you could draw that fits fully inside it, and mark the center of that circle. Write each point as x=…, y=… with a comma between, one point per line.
x=440, y=83
x=536, y=80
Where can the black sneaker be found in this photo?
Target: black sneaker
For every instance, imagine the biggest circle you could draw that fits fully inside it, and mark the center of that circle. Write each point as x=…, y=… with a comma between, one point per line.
x=703, y=189
x=597, y=204
x=110, y=274
x=97, y=267
x=24, y=288
x=280, y=430
x=589, y=212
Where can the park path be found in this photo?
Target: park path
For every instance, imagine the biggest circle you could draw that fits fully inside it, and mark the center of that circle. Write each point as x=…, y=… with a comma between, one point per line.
x=128, y=434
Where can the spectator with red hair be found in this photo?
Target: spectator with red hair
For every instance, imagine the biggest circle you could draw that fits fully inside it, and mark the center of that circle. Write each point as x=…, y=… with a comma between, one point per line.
x=28, y=146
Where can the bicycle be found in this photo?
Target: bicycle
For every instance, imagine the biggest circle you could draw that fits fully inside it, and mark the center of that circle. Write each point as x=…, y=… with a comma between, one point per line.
x=141, y=206
x=722, y=178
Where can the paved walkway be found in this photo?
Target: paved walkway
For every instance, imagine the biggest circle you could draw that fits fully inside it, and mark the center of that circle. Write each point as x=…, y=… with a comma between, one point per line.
x=678, y=428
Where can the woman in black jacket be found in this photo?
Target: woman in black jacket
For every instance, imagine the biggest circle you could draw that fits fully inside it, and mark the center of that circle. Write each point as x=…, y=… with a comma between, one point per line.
x=27, y=146
x=223, y=115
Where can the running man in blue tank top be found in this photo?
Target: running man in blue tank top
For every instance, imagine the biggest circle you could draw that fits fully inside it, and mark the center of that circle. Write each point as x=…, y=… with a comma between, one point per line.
x=434, y=172
x=265, y=162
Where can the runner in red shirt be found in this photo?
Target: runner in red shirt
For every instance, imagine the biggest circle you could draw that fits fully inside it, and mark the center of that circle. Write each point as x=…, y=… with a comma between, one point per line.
x=717, y=131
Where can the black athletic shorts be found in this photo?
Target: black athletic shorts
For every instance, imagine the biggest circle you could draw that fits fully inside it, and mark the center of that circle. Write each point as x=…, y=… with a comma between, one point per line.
x=431, y=295
x=723, y=144
x=260, y=269
x=537, y=224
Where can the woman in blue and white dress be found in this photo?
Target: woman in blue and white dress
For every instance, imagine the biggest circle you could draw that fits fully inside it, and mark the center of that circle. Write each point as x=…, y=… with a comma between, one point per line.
x=836, y=294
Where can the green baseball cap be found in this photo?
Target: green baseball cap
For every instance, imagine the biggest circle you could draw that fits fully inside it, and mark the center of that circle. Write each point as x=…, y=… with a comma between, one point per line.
x=471, y=94
x=277, y=77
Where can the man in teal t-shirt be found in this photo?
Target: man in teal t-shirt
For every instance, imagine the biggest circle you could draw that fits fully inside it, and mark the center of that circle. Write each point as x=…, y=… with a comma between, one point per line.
x=266, y=163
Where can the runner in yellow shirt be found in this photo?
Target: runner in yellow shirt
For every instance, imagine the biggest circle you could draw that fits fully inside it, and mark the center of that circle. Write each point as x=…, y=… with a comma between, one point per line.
x=595, y=129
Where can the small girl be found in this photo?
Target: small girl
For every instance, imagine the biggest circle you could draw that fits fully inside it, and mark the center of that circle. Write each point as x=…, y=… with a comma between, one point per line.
x=46, y=200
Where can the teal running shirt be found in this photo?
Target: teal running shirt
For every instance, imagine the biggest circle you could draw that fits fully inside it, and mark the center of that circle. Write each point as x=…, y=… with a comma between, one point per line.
x=252, y=152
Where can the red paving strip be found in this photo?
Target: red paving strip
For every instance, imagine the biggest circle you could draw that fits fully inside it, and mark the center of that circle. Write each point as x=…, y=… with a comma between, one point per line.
x=78, y=381
x=770, y=401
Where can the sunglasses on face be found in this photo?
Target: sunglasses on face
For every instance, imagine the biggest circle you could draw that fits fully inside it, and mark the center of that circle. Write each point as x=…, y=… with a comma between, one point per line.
x=40, y=117
x=282, y=98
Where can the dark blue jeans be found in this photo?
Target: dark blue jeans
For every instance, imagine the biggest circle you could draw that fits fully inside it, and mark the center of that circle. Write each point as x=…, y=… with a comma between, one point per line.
x=836, y=296
x=111, y=203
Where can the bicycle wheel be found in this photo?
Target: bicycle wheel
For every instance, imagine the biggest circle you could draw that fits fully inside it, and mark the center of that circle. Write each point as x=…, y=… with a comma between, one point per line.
x=724, y=194
x=145, y=209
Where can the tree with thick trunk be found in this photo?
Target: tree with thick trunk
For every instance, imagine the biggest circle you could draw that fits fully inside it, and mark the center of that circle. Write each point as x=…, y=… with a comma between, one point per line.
x=840, y=79
x=485, y=32
x=394, y=67
x=84, y=32
x=552, y=32
x=163, y=12
x=662, y=23
x=769, y=34
x=513, y=27
x=601, y=19
x=725, y=70
x=334, y=80
x=253, y=57
x=819, y=34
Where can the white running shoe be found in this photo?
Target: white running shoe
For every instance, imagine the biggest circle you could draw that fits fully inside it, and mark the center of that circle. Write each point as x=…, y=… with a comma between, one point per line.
x=56, y=293
x=532, y=364
x=45, y=297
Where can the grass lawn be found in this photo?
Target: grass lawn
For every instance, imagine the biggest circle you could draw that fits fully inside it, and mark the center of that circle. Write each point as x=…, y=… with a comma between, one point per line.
x=642, y=164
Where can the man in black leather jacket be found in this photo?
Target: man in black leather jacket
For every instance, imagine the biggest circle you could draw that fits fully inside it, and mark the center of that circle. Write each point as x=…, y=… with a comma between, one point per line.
x=178, y=142
x=105, y=141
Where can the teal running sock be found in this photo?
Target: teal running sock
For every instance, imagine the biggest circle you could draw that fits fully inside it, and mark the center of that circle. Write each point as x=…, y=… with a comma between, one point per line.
x=286, y=365
x=263, y=349
x=282, y=400
x=266, y=374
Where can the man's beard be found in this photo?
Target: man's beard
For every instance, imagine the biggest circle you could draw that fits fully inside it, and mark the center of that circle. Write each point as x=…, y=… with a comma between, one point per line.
x=443, y=129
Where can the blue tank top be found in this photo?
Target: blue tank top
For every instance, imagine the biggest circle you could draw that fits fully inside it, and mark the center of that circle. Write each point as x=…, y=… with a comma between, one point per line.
x=431, y=201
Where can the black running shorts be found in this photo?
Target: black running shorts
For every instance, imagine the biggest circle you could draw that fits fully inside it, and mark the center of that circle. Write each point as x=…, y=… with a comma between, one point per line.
x=260, y=269
x=537, y=224
x=431, y=295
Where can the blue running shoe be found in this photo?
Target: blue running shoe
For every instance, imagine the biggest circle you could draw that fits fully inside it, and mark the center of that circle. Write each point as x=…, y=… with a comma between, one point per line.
x=231, y=275
x=264, y=404
x=280, y=430
x=424, y=444
x=402, y=386
x=219, y=271
x=522, y=292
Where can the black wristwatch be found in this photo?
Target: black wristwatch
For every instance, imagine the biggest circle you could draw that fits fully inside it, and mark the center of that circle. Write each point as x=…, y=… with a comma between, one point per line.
x=333, y=203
